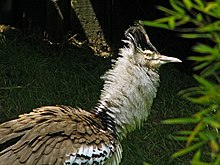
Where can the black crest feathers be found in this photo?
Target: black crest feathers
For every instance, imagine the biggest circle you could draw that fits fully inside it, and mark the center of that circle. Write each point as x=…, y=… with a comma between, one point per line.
x=137, y=35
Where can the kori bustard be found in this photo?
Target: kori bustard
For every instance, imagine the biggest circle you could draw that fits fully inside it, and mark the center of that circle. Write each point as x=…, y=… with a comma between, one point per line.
x=72, y=136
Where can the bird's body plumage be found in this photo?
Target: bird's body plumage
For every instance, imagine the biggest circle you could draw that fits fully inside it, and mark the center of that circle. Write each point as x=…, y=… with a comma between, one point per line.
x=70, y=136
x=57, y=135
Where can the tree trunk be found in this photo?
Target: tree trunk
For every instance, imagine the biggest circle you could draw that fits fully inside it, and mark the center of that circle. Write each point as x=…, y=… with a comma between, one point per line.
x=92, y=31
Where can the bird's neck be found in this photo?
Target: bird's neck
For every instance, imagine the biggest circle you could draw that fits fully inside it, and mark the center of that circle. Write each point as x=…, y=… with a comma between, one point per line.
x=127, y=96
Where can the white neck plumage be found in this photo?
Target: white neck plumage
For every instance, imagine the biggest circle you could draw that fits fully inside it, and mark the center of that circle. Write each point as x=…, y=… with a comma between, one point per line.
x=127, y=95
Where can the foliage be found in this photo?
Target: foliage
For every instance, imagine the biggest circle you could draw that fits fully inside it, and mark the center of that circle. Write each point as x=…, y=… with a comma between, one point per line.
x=198, y=19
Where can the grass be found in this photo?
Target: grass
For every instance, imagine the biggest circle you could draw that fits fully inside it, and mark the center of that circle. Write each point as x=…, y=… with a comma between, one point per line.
x=33, y=75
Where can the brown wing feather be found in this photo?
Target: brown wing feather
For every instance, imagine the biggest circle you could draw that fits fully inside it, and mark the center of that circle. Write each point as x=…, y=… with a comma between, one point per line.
x=48, y=134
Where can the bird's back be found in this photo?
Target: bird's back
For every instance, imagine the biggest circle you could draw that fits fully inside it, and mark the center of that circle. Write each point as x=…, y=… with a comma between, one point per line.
x=56, y=135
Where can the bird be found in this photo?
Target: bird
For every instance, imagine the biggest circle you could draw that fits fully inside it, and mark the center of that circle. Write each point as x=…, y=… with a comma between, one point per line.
x=61, y=134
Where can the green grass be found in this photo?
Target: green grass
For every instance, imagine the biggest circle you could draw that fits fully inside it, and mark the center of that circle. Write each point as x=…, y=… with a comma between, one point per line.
x=33, y=75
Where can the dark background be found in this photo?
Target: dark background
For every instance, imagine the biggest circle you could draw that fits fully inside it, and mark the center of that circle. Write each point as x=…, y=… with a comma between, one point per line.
x=115, y=16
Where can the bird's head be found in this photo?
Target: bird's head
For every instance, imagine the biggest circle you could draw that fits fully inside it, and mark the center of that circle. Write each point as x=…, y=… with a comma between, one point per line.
x=144, y=53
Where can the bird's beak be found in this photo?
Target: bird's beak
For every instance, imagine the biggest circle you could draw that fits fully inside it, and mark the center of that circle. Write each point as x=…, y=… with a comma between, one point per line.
x=166, y=59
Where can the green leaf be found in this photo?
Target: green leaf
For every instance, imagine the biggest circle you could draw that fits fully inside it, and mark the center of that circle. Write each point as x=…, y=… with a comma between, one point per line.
x=203, y=82
x=166, y=10
x=184, y=132
x=181, y=121
x=203, y=136
x=162, y=20
x=208, y=135
x=202, y=65
x=200, y=58
x=187, y=149
x=214, y=146
x=184, y=138
x=210, y=5
x=212, y=122
x=200, y=100
x=195, y=35
x=176, y=7
x=183, y=20
x=200, y=3
x=214, y=68
x=217, y=161
x=199, y=17
x=215, y=12
x=171, y=23
x=188, y=4
x=155, y=24
x=205, y=111
x=180, y=138
x=146, y=163
x=202, y=48
x=197, y=156
x=195, y=131
x=187, y=93
x=215, y=26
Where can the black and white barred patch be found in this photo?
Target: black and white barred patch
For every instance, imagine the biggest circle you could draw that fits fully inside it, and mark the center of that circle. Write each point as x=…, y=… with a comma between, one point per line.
x=90, y=155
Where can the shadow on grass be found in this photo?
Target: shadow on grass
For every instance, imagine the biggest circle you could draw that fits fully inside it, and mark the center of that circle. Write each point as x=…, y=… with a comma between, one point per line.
x=30, y=79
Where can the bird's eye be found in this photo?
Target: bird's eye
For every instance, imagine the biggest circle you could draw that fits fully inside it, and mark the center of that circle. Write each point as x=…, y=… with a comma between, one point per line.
x=147, y=54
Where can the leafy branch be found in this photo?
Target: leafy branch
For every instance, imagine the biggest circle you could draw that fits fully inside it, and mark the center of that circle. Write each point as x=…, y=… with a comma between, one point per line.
x=195, y=19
